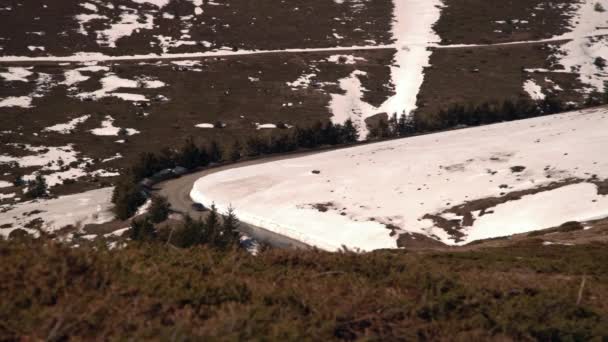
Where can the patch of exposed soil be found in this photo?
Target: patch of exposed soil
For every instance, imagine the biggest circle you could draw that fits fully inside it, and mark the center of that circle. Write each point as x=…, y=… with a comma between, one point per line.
x=238, y=24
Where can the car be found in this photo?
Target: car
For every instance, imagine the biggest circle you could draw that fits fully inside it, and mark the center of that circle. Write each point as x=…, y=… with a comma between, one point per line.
x=198, y=207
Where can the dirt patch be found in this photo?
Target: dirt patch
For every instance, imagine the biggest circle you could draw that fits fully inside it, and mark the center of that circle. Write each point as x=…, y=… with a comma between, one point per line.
x=323, y=207
x=602, y=186
x=418, y=241
x=474, y=76
x=485, y=22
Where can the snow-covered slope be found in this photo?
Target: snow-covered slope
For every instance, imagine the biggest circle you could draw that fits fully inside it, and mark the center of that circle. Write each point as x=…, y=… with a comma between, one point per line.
x=349, y=196
x=78, y=210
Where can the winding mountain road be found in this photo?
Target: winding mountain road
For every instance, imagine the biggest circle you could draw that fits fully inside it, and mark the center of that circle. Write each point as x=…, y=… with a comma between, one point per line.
x=177, y=192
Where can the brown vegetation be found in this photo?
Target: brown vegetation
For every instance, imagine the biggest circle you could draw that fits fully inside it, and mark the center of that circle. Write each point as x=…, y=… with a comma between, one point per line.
x=145, y=291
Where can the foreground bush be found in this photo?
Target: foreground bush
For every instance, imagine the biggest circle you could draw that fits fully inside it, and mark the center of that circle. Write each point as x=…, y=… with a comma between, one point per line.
x=149, y=291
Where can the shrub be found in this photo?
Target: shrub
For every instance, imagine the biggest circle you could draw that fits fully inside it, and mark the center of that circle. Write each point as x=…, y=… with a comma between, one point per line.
x=142, y=230
x=36, y=188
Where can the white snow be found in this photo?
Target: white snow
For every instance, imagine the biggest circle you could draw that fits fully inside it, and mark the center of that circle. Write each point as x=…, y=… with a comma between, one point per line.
x=130, y=97
x=265, y=126
x=534, y=90
x=111, y=82
x=77, y=210
x=16, y=74
x=108, y=129
x=36, y=48
x=543, y=210
x=129, y=23
x=158, y=3
x=73, y=77
x=89, y=6
x=205, y=125
x=5, y=184
x=67, y=127
x=400, y=181
x=302, y=82
x=17, y=101
x=47, y=156
x=413, y=32
x=345, y=59
x=350, y=104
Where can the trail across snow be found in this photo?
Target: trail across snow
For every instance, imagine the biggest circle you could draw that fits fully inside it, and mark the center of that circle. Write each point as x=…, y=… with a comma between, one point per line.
x=354, y=193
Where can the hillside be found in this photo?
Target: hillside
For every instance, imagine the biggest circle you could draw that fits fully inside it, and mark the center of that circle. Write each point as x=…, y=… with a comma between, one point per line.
x=87, y=86
x=155, y=292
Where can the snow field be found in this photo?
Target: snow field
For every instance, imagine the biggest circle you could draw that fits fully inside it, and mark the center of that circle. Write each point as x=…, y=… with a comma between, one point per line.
x=398, y=182
x=78, y=210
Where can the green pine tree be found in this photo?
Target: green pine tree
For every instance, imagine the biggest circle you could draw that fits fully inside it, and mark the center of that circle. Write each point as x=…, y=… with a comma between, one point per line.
x=142, y=230
x=37, y=188
x=229, y=231
x=159, y=209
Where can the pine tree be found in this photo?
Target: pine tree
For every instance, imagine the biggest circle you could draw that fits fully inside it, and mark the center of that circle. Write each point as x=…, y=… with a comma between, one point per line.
x=393, y=126
x=142, y=230
x=229, y=231
x=159, y=209
x=37, y=187
x=215, y=152
x=126, y=197
x=18, y=181
x=191, y=233
x=190, y=155
x=212, y=226
x=350, y=133
x=146, y=165
x=235, y=152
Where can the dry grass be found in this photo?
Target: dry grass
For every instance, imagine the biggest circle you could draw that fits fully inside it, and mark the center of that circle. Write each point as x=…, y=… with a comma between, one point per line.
x=152, y=291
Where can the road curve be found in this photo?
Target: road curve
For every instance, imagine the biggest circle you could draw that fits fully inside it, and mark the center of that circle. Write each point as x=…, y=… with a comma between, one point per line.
x=177, y=192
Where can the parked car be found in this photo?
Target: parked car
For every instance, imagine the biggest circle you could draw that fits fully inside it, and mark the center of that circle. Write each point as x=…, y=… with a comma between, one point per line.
x=198, y=207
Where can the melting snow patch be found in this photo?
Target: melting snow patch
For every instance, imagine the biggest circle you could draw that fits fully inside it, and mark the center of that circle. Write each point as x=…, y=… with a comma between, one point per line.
x=205, y=125
x=158, y=3
x=66, y=128
x=108, y=129
x=16, y=74
x=350, y=104
x=413, y=32
x=76, y=210
x=534, y=90
x=345, y=59
x=112, y=82
x=17, y=101
x=73, y=77
x=577, y=202
x=265, y=126
x=129, y=23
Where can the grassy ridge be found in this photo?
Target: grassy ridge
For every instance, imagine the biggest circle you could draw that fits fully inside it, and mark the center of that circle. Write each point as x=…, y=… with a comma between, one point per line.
x=152, y=291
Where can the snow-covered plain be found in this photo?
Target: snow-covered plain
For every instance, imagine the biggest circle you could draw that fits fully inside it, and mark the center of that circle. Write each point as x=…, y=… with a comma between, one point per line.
x=362, y=189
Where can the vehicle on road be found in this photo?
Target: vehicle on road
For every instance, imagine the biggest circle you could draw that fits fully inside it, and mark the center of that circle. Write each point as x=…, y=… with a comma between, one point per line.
x=198, y=207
